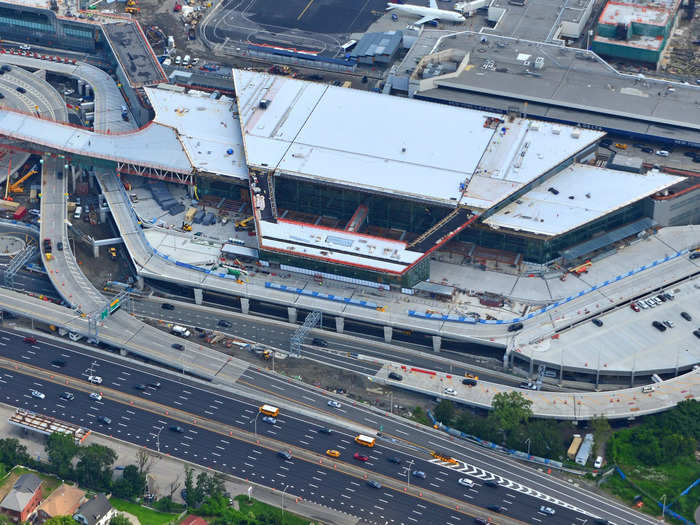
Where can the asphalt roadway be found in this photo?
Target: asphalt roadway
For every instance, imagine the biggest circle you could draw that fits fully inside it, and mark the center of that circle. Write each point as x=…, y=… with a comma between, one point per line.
x=338, y=353
x=516, y=483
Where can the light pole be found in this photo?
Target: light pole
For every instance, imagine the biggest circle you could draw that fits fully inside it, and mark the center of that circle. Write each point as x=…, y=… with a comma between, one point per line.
x=283, y=495
x=255, y=426
x=528, y=445
x=158, y=439
x=408, y=474
x=663, y=507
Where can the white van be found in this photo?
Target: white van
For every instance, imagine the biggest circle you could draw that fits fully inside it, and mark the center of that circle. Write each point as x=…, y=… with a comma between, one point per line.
x=178, y=60
x=78, y=212
x=186, y=60
x=646, y=389
x=167, y=62
x=181, y=331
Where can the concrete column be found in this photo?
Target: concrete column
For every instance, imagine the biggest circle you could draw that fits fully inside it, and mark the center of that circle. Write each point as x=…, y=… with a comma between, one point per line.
x=437, y=342
x=292, y=312
x=340, y=325
x=103, y=214
x=388, y=333
x=95, y=251
x=73, y=175
x=197, y=296
x=123, y=352
x=139, y=282
x=245, y=305
x=506, y=358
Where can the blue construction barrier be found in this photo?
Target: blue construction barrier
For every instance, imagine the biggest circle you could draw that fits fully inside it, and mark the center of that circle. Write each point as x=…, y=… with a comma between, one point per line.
x=319, y=295
x=471, y=320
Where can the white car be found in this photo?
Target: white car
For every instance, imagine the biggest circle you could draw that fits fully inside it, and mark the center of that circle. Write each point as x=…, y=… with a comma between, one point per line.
x=662, y=153
x=25, y=47
x=333, y=404
x=449, y=391
x=598, y=462
x=95, y=379
x=466, y=482
x=96, y=396
x=547, y=510
x=36, y=393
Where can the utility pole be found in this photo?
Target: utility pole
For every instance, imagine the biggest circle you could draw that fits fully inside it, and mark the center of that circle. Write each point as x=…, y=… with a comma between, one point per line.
x=408, y=474
x=528, y=445
x=255, y=426
x=283, y=495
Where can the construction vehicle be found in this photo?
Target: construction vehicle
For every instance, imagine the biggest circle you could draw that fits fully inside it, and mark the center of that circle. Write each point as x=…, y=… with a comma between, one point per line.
x=245, y=224
x=113, y=253
x=266, y=355
x=186, y=227
x=15, y=186
x=133, y=10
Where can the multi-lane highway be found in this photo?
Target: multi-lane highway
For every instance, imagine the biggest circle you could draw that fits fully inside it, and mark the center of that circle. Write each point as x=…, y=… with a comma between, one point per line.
x=401, y=438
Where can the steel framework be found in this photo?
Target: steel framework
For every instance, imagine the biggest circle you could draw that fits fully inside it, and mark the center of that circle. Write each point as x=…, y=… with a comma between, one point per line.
x=312, y=320
x=18, y=262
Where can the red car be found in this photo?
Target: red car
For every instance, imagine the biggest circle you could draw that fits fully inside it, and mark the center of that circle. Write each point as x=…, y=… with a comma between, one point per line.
x=30, y=340
x=360, y=457
x=634, y=307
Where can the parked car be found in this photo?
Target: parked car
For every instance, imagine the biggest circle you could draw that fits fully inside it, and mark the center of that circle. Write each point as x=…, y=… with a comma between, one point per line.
x=660, y=327
x=686, y=316
x=634, y=307
x=223, y=323
x=395, y=376
x=167, y=306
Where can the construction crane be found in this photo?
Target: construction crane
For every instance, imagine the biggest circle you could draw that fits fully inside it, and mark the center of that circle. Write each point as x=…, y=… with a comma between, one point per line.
x=15, y=186
x=245, y=224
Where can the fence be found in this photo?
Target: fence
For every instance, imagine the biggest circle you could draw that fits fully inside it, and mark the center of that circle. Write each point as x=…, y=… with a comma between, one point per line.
x=319, y=295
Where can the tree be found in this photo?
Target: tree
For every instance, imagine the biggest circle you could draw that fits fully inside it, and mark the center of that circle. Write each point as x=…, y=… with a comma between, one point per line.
x=12, y=453
x=117, y=519
x=59, y=520
x=61, y=449
x=131, y=485
x=194, y=491
x=545, y=439
x=94, y=469
x=173, y=486
x=144, y=460
x=510, y=410
x=444, y=411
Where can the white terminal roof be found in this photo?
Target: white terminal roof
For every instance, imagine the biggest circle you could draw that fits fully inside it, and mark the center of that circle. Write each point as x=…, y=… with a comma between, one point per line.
x=207, y=129
x=354, y=249
x=519, y=152
x=360, y=139
x=595, y=191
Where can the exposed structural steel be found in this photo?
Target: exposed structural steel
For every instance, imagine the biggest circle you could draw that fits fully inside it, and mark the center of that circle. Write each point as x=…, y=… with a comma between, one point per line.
x=312, y=320
x=17, y=263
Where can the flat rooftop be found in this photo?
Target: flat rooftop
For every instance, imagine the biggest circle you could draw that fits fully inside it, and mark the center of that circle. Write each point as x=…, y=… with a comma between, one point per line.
x=359, y=139
x=571, y=82
x=208, y=129
x=356, y=249
x=585, y=193
x=625, y=13
x=537, y=20
x=134, y=53
x=519, y=152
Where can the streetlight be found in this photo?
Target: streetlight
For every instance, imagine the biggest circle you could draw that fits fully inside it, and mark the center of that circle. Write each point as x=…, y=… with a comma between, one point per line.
x=158, y=439
x=408, y=474
x=255, y=426
x=663, y=507
x=528, y=445
x=283, y=494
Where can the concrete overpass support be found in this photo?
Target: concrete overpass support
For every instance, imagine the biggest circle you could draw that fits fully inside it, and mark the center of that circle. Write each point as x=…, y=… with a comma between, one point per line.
x=139, y=282
x=95, y=251
x=292, y=313
x=388, y=333
x=245, y=305
x=198, y=296
x=339, y=324
x=72, y=178
x=437, y=343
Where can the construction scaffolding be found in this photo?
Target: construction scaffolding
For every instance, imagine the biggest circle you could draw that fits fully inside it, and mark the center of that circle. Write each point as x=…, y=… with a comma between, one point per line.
x=312, y=320
x=46, y=425
x=17, y=263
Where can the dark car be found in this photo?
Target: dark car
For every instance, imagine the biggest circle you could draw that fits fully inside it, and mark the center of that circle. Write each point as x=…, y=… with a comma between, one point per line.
x=2, y=96
x=515, y=327
x=319, y=342
x=285, y=454
x=5, y=68
x=395, y=376
x=374, y=484
x=696, y=333
x=481, y=521
x=394, y=459
x=496, y=508
x=60, y=363
x=167, y=306
x=469, y=381
x=176, y=428
x=154, y=384
x=659, y=326
x=177, y=346
x=597, y=322
x=224, y=324
x=646, y=149
x=325, y=430
x=695, y=255
x=21, y=89
x=418, y=474
x=140, y=386
x=689, y=153
x=104, y=419
x=491, y=483
x=59, y=246
x=686, y=316
x=600, y=521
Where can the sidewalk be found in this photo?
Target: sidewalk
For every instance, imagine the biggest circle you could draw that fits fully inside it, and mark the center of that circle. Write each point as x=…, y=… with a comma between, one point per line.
x=166, y=470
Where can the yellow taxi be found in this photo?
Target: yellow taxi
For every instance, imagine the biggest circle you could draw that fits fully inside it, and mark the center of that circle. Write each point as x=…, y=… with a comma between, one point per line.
x=332, y=453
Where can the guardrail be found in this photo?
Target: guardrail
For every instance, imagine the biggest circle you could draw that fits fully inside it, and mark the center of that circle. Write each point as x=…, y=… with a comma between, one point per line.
x=472, y=320
x=320, y=295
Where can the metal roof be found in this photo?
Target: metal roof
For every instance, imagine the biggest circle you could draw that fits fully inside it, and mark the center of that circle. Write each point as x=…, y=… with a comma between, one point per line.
x=608, y=238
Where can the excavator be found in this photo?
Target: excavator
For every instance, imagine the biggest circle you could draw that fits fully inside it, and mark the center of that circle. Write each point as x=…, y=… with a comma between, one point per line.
x=245, y=224
x=186, y=227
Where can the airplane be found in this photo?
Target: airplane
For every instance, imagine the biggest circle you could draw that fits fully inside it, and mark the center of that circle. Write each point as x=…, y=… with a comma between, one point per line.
x=427, y=13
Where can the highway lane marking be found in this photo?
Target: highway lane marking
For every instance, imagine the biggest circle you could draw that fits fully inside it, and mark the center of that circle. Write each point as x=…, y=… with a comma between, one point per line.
x=249, y=465
x=370, y=421
x=468, y=496
x=314, y=486
x=455, y=517
x=387, y=494
x=401, y=432
x=309, y=399
x=354, y=483
x=304, y=442
x=421, y=506
x=256, y=451
x=239, y=422
x=345, y=496
x=220, y=447
x=434, y=485
x=215, y=454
